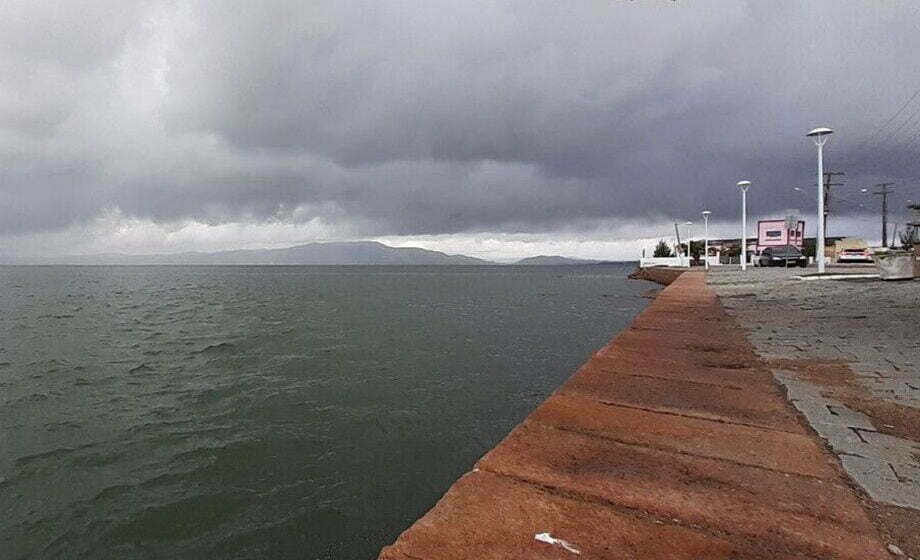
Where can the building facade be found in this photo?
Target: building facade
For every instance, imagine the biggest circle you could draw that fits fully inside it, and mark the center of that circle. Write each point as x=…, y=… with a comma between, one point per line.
x=775, y=233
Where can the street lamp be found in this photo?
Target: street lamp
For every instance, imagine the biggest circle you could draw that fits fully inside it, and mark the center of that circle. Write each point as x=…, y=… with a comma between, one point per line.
x=743, y=185
x=706, y=214
x=819, y=135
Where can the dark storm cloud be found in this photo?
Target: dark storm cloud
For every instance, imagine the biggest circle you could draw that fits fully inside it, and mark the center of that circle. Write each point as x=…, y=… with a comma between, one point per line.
x=441, y=117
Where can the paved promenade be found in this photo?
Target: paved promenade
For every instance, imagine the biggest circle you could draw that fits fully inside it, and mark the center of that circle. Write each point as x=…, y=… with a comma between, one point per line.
x=674, y=441
x=848, y=355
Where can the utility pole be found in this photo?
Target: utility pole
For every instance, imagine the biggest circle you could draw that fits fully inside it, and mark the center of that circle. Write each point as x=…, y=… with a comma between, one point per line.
x=828, y=175
x=884, y=192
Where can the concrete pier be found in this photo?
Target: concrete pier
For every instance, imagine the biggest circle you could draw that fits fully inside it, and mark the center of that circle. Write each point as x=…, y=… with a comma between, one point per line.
x=673, y=441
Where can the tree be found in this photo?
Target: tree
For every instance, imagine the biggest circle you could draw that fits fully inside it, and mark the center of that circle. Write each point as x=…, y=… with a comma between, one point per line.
x=662, y=249
x=697, y=248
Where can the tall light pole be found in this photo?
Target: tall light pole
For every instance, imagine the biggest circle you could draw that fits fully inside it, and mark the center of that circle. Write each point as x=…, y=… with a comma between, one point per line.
x=819, y=135
x=706, y=214
x=680, y=255
x=689, y=242
x=743, y=185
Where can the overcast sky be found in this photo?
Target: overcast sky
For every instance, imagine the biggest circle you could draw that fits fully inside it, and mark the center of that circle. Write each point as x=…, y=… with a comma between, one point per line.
x=499, y=129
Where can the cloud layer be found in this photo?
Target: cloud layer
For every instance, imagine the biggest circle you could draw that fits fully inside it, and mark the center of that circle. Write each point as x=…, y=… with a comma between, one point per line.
x=388, y=119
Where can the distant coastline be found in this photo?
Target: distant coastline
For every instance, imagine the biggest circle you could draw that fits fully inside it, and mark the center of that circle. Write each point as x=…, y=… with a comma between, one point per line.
x=554, y=260
x=346, y=253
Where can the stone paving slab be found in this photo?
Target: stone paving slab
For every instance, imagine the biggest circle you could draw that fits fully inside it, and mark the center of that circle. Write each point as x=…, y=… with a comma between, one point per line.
x=747, y=445
x=870, y=329
x=687, y=324
x=642, y=388
x=881, y=481
x=631, y=460
x=487, y=516
x=680, y=358
x=620, y=361
x=907, y=472
x=770, y=509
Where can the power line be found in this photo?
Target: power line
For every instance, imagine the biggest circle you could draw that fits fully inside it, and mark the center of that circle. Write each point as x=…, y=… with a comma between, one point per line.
x=909, y=137
x=892, y=158
x=906, y=133
x=890, y=120
x=896, y=131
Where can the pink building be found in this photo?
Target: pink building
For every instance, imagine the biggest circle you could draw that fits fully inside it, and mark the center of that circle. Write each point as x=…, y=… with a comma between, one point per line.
x=771, y=233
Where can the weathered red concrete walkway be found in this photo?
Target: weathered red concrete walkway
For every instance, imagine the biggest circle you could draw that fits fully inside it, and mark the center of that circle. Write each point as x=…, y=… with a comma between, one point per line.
x=673, y=441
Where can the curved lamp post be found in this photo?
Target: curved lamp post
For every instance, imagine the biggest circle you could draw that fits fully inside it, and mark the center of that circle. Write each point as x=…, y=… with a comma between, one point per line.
x=743, y=185
x=819, y=135
x=706, y=214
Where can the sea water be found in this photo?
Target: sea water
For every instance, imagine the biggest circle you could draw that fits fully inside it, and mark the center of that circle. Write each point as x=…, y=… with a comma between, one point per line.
x=270, y=412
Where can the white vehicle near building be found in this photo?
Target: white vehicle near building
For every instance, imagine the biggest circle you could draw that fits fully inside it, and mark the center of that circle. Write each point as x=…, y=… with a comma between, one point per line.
x=853, y=250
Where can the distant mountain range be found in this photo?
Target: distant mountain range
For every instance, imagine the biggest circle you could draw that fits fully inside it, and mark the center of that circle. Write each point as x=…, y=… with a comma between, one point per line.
x=553, y=260
x=335, y=253
x=332, y=253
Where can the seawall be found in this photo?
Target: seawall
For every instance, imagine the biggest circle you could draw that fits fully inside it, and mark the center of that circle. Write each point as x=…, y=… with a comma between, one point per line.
x=672, y=441
x=658, y=274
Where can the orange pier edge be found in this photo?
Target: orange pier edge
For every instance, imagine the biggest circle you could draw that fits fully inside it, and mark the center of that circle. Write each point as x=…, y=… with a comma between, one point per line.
x=673, y=441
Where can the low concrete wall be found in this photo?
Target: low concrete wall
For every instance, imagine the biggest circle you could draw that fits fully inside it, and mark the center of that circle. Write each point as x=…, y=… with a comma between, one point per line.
x=675, y=262
x=680, y=262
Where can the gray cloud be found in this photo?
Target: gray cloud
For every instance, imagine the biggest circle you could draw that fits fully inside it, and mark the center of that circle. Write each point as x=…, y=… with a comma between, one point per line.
x=398, y=118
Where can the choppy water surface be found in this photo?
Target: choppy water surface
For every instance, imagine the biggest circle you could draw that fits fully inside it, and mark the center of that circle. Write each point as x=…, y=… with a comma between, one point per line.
x=269, y=412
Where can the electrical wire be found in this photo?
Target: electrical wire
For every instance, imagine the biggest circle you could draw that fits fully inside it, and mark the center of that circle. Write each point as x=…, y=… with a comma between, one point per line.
x=889, y=121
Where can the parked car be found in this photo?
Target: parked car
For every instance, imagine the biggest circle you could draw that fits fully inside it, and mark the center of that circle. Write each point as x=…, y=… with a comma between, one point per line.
x=855, y=255
x=784, y=255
